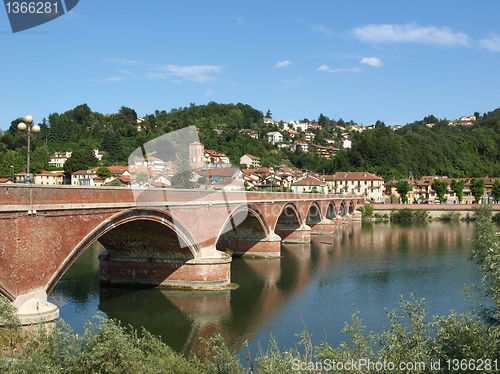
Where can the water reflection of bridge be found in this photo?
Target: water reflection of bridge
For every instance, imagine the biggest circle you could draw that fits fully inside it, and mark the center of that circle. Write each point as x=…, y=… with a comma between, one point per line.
x=182, y=318
x=266, y=286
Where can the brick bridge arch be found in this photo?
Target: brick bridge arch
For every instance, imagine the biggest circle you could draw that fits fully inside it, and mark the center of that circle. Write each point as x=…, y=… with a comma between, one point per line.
x=115, y=223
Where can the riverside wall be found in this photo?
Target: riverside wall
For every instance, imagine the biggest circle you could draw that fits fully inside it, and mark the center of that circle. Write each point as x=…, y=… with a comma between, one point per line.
x=435, y=210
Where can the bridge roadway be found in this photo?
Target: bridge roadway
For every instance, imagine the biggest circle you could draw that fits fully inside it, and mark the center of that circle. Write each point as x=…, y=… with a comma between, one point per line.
x=153, y=237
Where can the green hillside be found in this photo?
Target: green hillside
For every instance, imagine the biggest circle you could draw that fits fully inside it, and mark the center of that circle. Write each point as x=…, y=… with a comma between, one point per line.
x=454, y=151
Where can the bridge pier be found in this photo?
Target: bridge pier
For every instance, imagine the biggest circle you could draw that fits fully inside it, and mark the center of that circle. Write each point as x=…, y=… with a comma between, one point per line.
x=269, y=246
x=298, y=235
x=356, y=216
x=210, y=270
x=34, y=308
x=325, y=227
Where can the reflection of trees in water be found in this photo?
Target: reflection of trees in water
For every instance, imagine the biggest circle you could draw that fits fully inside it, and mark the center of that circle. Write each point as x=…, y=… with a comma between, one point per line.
x=79, y=285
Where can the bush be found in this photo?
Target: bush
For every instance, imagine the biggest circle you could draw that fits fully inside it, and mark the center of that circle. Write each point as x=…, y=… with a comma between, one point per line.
x=407, y=214
x=450, y=216
x=367, y=210
x=496, y=217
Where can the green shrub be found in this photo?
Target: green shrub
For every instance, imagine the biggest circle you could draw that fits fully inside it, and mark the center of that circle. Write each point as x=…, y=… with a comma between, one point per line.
x=450, y=216
x=368, y=210
x=407, y=214
x=496, y=217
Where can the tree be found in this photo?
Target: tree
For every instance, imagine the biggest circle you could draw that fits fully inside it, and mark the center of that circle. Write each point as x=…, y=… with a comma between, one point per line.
x=103, y=172
x=440, y=187
x=495, y=190
x=80, y=160
x=129, y=115
x=116, y=183
x=182, y=180
x=403, y=187
x=269, y=114
x=457, y=185
x=477, y=189
x=323, y=121
x=113, y=145
x=142, y=177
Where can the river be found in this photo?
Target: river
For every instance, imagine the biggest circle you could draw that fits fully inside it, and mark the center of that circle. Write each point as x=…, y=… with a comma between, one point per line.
x=363, y=267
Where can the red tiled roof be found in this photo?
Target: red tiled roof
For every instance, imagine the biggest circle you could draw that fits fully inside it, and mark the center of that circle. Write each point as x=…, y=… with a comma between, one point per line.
x=309, y=181
x=352, y=175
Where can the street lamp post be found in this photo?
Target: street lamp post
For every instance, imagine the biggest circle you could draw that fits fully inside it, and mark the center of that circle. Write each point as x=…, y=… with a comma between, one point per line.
x=13, y=179
x=29, y=131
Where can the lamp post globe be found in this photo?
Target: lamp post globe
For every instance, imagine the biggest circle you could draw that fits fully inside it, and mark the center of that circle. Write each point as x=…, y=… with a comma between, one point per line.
x=22, y=126
x=28, y=119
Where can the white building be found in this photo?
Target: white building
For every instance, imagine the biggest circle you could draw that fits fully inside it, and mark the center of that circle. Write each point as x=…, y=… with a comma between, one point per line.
x=250, y=161
x=295, y=145
x=299, y=126
x=274, y=137
x=357, y=183
x=150, y=162
x=59, y=159
x=346, y=143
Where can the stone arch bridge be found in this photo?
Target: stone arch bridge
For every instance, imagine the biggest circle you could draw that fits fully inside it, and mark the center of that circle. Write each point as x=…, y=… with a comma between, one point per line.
x=153, y=237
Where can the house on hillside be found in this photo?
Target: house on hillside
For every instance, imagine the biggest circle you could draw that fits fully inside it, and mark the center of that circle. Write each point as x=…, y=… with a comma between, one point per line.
x=251, y=133
x=250, y=161
x=58, y=159
x=212, y=157
x=346, y=143
x=298, y=143
x=309, y=136
x=274, y=137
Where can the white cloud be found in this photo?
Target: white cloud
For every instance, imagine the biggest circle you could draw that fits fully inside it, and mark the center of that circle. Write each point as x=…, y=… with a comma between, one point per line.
x=122, y=61
x=195, y=73
x=491, y=44
x=110, y=79
x=348, y=70
x=290, y=83
x=322, y=29
x=411, y=33
x=372, y=61
x=283, y=64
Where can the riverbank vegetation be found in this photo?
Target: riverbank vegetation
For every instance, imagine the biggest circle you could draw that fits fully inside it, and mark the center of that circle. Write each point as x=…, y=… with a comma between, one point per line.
x=407, y=214
x=440, y=344
x=450, y=216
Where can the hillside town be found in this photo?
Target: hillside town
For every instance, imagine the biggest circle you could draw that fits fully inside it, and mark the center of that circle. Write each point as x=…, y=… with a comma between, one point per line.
x=212, y=170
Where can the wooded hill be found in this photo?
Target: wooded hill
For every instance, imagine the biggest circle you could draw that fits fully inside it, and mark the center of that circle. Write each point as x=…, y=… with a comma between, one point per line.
x=454, y=151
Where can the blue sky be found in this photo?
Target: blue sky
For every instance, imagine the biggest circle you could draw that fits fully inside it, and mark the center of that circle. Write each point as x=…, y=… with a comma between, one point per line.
x=396, y=61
